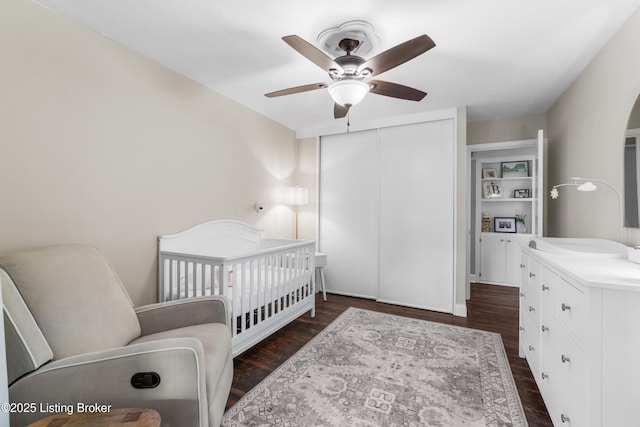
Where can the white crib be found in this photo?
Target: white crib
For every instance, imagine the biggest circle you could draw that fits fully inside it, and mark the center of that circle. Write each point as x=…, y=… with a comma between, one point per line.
x=270, y=282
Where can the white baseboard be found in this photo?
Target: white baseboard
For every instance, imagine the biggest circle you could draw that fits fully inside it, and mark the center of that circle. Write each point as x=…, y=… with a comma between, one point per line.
x=460, y=310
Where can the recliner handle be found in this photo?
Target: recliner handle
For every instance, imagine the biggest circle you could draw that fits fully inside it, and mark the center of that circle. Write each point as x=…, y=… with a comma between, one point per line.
x=145, y=380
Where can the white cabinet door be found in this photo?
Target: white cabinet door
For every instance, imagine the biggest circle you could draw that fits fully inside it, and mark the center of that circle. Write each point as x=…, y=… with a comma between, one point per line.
x=348, y=205
x=492, y=258
x=500, y=257
x=417, y=215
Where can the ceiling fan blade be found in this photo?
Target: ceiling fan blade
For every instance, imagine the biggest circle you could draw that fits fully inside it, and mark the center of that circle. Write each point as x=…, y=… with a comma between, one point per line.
x=339, y=111
x=297, y=89
x=397, y=55
x=313, y=54
x=380, y=87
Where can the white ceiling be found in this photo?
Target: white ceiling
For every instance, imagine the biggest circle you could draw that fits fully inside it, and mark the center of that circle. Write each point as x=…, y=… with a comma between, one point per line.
x=500, y=58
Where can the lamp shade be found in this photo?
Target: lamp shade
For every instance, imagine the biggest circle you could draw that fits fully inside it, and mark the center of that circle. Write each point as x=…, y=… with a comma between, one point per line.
x=296, y=196
x=348, y=92
x=587, y=186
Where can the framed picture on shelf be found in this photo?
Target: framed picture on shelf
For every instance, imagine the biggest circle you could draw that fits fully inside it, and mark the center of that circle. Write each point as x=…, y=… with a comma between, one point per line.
x=521, y=193
x=492, y=190
x=515, y=169
x=504, y=224
x=489, y=173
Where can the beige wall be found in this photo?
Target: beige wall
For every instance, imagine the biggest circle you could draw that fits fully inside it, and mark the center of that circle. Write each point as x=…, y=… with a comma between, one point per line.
x=99, y=145
x=586, y=131
x=506, y=129
x=307, y=176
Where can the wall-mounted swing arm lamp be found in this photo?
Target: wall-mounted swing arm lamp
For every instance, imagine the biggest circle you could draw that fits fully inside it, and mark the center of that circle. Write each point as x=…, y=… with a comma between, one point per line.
x=587, y=185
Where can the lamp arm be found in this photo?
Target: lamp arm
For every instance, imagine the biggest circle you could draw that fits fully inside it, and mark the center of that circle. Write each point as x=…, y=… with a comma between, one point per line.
x=567, y=183
x=615, y=190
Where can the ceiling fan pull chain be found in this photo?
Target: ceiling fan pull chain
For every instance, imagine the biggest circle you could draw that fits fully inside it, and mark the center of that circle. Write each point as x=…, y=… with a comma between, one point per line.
x=348, y=121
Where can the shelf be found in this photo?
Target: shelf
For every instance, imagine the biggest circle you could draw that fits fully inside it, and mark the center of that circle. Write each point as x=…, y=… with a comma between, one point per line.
x=494, y=233
x=508, y=179
x=508, y=199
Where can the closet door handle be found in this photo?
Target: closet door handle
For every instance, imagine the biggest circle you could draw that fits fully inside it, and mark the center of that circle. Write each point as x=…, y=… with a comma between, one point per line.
x=565, y=307
x=564, y=418
x=545, y=288
x=565, y=359
x=544, y=328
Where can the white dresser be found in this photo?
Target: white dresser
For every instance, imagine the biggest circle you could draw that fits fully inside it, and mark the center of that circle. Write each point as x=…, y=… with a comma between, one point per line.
x=580, y=333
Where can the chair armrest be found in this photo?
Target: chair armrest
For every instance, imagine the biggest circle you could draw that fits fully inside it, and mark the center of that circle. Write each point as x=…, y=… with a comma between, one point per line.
x=103, y=379
x=165, y=316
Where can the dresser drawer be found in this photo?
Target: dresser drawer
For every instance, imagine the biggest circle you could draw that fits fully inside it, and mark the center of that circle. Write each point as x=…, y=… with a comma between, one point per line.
x=533, y=275
x=529, y=303
x=572, y=308
x=530, y=342
x=548, y=288
x=568, y=410
x=562, y=360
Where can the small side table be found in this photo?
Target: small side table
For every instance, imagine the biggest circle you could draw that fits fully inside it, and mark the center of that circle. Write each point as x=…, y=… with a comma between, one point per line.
x=321, y=262
x=125, y=417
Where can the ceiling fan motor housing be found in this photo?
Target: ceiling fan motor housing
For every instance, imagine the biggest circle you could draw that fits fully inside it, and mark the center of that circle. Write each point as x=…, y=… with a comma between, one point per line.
x=349, y=64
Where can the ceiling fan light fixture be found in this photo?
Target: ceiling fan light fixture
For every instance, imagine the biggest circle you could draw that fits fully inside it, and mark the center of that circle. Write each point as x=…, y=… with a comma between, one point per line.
x=348, y=92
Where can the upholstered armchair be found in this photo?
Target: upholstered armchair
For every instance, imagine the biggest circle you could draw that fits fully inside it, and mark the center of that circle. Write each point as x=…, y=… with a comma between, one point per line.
x=73, y=337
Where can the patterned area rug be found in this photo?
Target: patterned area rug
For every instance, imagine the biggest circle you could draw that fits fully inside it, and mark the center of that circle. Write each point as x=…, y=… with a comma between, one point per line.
x=375, y=369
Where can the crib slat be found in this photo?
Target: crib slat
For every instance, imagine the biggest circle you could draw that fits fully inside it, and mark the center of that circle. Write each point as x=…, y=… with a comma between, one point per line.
x=171, y=280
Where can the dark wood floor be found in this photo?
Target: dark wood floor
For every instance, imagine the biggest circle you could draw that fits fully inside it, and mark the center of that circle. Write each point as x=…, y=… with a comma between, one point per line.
x=491, y=308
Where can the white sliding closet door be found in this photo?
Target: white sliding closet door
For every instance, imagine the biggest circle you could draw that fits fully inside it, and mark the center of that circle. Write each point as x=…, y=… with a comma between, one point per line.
x=348, y=212
x=387, y=214
x=416, y=253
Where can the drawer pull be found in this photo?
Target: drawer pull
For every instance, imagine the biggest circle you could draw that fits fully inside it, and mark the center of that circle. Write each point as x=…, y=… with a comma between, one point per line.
x=564, y=418
x=532, y=348
x=532, y=275
x=522, y=265
x=522, y=294
x=545, y=288
x=522, y=328
x=544, y=328
x=544, y=376
x=532, y=308
x=565, y=307
x=565, y=359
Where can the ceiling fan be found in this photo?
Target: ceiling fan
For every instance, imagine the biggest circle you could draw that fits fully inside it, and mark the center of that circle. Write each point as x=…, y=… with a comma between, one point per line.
x=351, y=73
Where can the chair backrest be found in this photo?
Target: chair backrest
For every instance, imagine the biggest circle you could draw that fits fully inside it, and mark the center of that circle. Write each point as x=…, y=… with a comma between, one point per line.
x=75, y=297
x=26, y=347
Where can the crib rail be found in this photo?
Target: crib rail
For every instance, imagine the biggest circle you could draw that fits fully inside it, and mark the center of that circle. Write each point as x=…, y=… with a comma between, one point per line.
x=266, y=287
